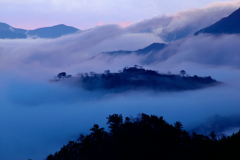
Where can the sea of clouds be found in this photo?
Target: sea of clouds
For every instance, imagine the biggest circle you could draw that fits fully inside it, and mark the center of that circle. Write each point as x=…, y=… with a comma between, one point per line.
x=38, y=116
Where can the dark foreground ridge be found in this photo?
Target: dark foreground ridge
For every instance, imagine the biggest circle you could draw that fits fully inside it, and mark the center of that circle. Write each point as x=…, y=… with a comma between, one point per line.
x=138, y=78
x=148, y=137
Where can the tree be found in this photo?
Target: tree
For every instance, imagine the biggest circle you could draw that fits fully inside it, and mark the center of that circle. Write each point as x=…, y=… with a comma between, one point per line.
x=81, y=138
x=107, y=72
x=50, y=157
x=115, y=121
x=182, y=72
x=213, y=136
x=97, y=133
x=178, y=125
x=135, y=66
x=68, y=76
x=61, y=75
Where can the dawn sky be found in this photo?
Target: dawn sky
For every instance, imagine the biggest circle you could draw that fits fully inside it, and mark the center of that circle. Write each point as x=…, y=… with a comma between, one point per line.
x=83, y=14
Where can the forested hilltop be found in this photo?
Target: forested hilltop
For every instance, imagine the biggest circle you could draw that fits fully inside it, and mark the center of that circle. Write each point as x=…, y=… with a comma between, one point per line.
x=147, y=137
x=138, y=78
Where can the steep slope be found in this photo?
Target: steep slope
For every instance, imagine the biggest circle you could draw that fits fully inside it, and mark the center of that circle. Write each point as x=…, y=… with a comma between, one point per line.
x=228, y=25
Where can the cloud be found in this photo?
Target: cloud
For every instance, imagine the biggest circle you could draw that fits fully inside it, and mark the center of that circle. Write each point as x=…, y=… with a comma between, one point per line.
x=205, y=49
x=183, y=24
x=219, y=124
x=69, y=51
x=82, y=14
x=37, y=118
x=125, y=24
x=100, y=23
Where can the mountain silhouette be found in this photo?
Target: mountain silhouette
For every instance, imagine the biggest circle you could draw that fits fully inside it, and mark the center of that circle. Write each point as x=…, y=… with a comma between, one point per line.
x=52, y=32
x=4, y=34
x=227, y=25
x=154, y=47
x=9, y=32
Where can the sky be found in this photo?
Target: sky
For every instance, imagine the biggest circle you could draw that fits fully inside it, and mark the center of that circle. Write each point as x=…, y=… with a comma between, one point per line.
x=85, y=14
x=37, y=117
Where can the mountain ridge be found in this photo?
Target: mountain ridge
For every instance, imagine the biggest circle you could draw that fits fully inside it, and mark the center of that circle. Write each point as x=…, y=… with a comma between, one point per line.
x=154, y=47
x=227, y=25
x=56, y=31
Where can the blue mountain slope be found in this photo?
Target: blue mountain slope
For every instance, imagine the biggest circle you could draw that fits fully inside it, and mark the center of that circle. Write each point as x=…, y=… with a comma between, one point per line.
x=4, y=26
x=53, y=32
x=154, y=47
x=227, y=25
x=4, y=34
x=9, y=32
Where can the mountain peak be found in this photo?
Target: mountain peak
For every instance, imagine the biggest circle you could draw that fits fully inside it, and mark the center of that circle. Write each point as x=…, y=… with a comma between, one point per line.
x=53, y=32
x=4, y=26
x=227, y=25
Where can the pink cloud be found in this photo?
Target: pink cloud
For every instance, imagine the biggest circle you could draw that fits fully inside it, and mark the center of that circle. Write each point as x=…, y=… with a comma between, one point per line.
x=100, y=23
x=125, y=24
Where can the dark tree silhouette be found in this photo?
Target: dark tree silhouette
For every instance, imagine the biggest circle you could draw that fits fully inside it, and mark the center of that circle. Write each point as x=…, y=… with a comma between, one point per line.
x=61, y=75
x=182, y=72
x=115, y=121
x=147, y=137
x=97, y=133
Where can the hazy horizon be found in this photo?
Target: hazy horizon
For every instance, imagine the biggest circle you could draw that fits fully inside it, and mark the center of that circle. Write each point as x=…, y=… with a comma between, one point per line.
x=31, y=15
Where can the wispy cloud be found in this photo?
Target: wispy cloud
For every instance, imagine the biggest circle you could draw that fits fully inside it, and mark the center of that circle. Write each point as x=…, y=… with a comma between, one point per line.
x=82, y=14
x=183, y=24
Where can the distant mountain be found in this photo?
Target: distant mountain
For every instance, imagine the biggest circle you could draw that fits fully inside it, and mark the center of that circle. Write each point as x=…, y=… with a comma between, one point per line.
x=155, y=47
x=4, y=26
x=9, y=32
x=52, y=32
x=227, y=25
x=4, y=34
x=152, y=48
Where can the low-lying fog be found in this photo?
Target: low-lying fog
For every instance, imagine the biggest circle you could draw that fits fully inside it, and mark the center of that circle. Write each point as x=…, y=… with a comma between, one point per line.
x=37, y=117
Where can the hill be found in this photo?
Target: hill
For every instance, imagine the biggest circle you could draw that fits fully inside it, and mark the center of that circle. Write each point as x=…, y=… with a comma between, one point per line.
x=137, y=78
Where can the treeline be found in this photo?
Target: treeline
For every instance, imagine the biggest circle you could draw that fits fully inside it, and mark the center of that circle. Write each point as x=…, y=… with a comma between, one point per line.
x=137, y=78
x=147, y=137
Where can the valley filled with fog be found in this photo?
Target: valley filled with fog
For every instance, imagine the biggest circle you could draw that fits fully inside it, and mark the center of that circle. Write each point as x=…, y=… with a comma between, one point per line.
x=38, y=116
x=34, y=110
